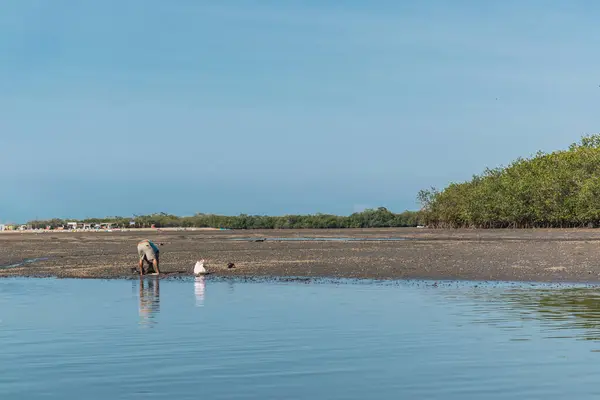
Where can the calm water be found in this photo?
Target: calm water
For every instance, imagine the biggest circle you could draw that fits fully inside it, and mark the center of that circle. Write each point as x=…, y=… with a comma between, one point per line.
x=89, y=339
x=321, y=239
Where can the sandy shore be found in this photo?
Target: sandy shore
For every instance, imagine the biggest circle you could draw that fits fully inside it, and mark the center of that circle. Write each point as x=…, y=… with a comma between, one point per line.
x=523, y=255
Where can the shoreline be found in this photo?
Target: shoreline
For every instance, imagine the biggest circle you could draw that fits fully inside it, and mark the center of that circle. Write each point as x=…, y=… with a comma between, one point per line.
x=507, y=255
x=113, y=230
x=318, y=280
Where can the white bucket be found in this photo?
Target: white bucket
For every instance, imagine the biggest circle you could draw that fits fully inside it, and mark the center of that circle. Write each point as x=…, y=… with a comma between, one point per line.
x=199, y=268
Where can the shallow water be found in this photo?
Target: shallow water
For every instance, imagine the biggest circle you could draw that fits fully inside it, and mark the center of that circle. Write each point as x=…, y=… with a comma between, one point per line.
x=320, y=239
x=219, y=339
x=24, y=262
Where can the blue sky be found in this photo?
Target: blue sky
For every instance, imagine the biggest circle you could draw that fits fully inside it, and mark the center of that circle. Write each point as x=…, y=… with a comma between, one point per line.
x=269, y=107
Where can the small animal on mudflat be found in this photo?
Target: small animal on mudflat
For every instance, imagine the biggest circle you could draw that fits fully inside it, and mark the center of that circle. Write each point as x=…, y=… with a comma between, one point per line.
x=231, y=265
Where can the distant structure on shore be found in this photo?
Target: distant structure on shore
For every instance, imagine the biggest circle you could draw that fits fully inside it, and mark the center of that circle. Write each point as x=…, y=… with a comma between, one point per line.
x=68, y=227
x=81, y=227
x=7, y=227
x=85, y=227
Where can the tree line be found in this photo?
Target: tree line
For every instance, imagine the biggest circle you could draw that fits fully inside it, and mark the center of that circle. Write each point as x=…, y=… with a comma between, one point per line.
x=557, y=189
x=370, y=218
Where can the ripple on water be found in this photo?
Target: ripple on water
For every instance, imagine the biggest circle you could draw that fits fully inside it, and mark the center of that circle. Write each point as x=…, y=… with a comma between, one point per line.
x=220, y=338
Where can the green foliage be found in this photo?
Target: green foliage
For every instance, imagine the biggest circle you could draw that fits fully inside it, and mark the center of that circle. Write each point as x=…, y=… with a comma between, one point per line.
x=560, y=189
x=372, y=218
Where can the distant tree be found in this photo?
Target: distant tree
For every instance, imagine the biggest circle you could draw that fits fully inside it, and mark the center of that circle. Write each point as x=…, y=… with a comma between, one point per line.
x=559, y=189
x=380, y=217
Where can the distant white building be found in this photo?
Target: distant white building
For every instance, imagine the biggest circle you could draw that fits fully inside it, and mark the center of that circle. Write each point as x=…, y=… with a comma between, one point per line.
x=2, y=227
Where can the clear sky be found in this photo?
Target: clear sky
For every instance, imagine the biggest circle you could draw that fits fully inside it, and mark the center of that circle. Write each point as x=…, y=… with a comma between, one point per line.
x=116, y=107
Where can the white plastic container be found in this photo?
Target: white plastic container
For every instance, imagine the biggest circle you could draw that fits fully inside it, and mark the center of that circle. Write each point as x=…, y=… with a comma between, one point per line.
x=199, y=268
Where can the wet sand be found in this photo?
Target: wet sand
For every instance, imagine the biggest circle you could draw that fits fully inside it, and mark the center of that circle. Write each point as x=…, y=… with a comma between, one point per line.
x=553, y=255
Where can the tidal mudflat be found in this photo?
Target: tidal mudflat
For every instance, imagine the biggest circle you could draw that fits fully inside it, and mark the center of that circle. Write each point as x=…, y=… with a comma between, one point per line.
x=511, y=255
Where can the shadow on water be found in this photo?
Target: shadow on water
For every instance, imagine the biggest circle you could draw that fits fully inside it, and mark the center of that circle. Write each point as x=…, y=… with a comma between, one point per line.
x=572, y=313
x=149, y=300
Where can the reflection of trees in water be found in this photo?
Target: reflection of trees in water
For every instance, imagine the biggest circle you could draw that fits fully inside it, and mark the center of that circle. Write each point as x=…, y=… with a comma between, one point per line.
x=576, y=310
x=149, y=299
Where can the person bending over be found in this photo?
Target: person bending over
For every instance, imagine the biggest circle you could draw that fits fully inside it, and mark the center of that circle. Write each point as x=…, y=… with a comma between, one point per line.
x=148, y=252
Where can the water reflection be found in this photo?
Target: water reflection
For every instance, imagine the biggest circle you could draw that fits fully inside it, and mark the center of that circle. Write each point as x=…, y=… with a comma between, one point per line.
x=199, y=289
x=562, y=313
x=149, y=300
